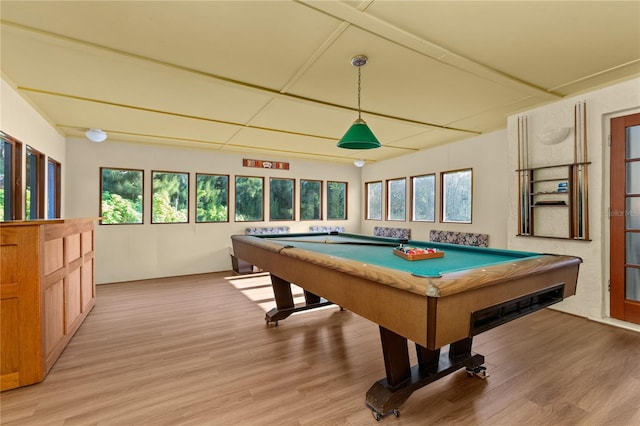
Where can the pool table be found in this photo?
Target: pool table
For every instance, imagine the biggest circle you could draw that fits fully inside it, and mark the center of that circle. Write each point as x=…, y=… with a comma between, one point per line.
x=435, y=303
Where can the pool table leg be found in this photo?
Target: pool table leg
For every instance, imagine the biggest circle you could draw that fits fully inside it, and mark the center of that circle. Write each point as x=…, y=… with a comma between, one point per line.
x=284, y=301
x=388, y=394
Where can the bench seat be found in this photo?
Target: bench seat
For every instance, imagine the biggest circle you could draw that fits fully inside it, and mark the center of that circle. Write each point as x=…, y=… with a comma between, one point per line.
x=382, y=231
x=463, y=238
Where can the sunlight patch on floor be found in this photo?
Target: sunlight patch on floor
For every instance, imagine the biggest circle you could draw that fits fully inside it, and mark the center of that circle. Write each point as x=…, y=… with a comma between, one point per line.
x=257, y=288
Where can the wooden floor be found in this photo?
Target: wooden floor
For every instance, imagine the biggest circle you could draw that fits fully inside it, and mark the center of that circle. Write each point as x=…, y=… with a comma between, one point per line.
x=196, y=351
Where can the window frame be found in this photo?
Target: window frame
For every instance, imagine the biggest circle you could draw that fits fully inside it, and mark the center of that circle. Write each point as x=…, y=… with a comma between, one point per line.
x=198, y=175
x=188, y=192
x=346, y=198
x=302, y=201
x=15, y=180
x=235, y=201
x=367, y=187
x=57, y=187
x=412, y=213
x=443, y=189
x=40, y=172
x=388, y=200
x=101, y=222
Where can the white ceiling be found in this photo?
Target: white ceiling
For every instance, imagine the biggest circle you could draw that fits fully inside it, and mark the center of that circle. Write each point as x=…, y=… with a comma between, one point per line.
x=273, y=78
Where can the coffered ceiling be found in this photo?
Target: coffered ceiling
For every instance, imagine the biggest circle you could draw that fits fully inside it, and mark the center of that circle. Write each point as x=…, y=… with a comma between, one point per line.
x=273, y=78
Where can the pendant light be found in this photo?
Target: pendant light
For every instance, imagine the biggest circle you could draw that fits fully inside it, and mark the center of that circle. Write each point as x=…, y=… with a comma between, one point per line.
x=359, y=136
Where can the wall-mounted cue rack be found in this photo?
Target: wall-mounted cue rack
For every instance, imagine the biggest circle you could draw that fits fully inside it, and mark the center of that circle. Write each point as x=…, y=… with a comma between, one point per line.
x=563, y=187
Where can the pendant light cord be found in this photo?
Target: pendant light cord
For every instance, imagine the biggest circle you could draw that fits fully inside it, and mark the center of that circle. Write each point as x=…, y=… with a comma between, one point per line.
x=359, y=115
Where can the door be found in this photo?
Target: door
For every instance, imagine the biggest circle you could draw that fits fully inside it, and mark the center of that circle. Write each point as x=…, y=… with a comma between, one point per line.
x=624, y=214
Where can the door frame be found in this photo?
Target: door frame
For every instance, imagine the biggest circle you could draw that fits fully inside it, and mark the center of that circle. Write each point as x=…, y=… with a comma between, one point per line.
x=606, y=203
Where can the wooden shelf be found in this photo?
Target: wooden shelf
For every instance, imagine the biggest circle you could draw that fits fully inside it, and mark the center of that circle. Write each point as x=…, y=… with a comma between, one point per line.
x=553, y=238
x=553, y=166
x=562, y=179
x=538, y=192
x=551, y=193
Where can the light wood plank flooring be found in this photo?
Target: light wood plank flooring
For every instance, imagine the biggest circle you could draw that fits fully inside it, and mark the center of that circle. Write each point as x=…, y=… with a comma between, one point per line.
x=196, y=351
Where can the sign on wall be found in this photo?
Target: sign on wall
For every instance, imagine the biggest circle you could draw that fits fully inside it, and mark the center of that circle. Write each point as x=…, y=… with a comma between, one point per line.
x=265, y=164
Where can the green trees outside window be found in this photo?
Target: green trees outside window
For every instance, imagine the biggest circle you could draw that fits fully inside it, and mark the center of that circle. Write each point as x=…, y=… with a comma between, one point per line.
x=374, y=200
x=336, y=200
x=170, y=197
x=396, y=199
x=423, y=196
x=121, y=196
x=456, y=196
x=249, y=199
x=281, y=197
x=310, y=199
x=212, y=198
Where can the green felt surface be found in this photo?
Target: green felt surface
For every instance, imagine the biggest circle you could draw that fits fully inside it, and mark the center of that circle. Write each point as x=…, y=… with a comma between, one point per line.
x=356, y=247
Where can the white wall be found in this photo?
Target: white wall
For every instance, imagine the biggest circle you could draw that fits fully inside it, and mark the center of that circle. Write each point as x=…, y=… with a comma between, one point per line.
x=485, y=154
x=131, y=252
x=21, y=121
x=592, y=298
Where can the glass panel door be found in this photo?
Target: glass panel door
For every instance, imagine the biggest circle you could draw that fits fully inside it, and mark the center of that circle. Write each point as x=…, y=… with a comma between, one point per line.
x=625, y=218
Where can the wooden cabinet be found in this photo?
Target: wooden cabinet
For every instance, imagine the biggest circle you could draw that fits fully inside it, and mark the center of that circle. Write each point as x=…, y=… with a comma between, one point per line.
x=46, y=291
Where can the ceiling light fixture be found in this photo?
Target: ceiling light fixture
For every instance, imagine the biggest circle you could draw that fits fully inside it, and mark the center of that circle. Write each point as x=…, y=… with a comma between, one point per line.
x=95, y=135
x=554, y=136
x=358, y=163
x=359, y=136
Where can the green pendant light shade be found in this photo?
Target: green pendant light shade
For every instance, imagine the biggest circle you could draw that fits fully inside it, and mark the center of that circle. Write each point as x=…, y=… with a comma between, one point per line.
x=359, y=135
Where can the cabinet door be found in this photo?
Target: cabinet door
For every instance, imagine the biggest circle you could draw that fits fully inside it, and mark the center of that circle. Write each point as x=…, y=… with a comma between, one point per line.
x=20, y=353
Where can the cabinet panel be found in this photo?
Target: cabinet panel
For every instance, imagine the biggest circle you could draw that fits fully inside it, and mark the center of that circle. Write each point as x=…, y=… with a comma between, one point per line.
x=73, y=247
x=87, y=242
x=9, y=316
x=9, y=271
x=87, y=285
x=73, y=298
x=53, y=316
x=53, y=255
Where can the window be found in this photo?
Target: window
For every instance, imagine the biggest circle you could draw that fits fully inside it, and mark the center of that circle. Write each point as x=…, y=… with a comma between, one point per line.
x=310, y=199
x=336, y=200
x=34, y=185
x=212, y=198
x=10, y=172
x=456, y=196
x=249, y=199
x=54, y=171
x=396, y=199
x=121, y=193
x=170, y=197
x=374, y=200
x=281, y=196
x=423, y=196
